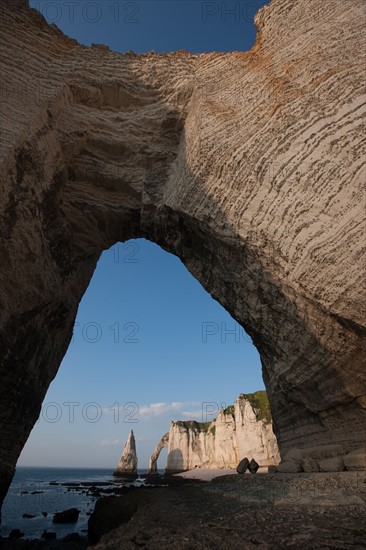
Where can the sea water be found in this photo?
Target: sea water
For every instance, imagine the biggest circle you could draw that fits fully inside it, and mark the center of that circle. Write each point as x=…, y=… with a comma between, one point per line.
x=49, y=499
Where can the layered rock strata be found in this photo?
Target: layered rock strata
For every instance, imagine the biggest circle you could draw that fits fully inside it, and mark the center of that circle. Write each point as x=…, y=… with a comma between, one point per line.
x=249, y=166
x=243, y=429
x=327, y=458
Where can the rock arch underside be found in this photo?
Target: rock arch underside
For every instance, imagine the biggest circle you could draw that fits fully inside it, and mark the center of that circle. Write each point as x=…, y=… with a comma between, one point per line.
x=246, y=165
x=162, y=444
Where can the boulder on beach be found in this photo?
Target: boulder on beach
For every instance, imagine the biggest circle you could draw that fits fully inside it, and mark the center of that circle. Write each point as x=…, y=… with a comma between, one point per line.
x=309, y=465
x=16, y=534
x=48, y=535
x=109, y=513
x=289, y=467
x=67, y=516
x=356, y=460
x=334, y=464
x=242, y=466
x=253, y=466
x=325, y=458
x=72, y=537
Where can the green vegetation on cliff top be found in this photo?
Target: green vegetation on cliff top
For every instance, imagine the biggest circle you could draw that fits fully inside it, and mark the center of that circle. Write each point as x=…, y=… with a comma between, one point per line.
x=193, y=425
x=258, y=400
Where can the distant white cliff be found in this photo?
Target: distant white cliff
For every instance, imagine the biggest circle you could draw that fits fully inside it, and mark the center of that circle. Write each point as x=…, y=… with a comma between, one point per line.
x=241, y=430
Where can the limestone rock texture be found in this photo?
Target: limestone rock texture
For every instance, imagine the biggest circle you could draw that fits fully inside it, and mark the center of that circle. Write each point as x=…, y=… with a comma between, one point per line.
x=249, y=166
x=237, y=432
x=163, y=443
x=241, y=430
x=128, y=461
x=325, y=458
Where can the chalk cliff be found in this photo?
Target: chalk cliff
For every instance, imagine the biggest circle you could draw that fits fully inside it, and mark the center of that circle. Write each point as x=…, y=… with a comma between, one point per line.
x=162, y=444
x=127, y=465
x=241, y=430
x=249, y=166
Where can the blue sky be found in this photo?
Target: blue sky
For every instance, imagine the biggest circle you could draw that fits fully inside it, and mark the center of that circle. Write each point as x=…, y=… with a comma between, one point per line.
x=150, y=345
x=160, y=25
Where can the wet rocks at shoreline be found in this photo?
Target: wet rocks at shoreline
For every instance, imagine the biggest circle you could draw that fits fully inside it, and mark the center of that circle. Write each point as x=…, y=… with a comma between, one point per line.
x=69, y=542
x=67, y=516
x=308, y=511
x=312, y=511
x=96, y=490
x=49, y=535
x=16, y=534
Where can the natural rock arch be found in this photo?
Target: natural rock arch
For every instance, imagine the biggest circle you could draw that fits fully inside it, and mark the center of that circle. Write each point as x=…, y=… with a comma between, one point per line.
x=248, y=166
x=163, y=443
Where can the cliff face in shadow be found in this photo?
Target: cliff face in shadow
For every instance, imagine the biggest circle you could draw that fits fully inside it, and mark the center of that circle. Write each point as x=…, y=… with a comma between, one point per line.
x=248, y=166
